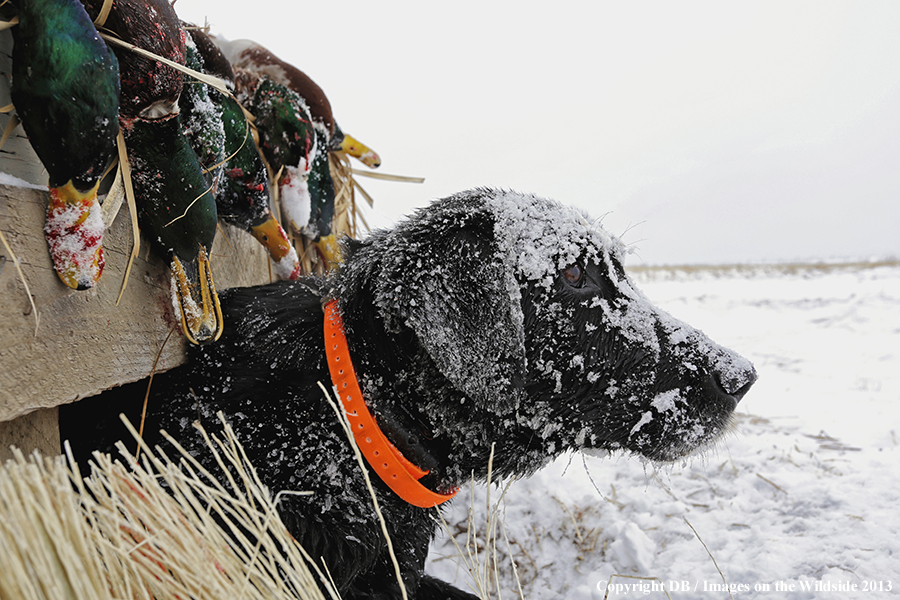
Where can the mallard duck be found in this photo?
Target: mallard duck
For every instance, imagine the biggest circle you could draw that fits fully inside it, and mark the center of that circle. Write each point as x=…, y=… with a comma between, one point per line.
x=243, y=197
x=176, y=206
x=220, y=133
x=295, y=147
x=201, y=115
x=149, y=88
x=65, y=87
x=178, y=209
x=288, y=140
x=255, y=58
x=296, y=129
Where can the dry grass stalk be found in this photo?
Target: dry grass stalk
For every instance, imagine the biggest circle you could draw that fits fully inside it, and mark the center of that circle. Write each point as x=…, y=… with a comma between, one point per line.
x=345, y=424
x=4, y=25
x=15, y=261
x=387, y=176
x=347, y=219
x=124, y=171
x=10, y=125
x=713, y=558
x=120, y=534
x=484, y=568
x=210, y=80
x=100, y=21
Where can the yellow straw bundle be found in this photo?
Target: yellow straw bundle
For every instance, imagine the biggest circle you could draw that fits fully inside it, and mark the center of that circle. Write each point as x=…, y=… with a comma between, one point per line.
x=120, y=534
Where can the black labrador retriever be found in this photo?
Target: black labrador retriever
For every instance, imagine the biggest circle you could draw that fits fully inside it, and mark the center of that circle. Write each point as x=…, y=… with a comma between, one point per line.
x=488, y=318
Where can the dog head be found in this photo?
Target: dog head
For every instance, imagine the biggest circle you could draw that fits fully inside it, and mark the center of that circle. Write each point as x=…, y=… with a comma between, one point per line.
x=524, y=308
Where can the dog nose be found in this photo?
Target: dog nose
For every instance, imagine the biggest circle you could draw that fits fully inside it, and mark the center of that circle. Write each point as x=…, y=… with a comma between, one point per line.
x=739, y=393
x=736, y=382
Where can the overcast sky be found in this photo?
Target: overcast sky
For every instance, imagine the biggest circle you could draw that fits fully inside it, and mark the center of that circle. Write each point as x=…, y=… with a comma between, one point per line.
x=704, y=131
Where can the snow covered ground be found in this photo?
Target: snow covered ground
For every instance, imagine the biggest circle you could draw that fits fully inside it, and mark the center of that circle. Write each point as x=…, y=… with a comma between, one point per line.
x=800, y=501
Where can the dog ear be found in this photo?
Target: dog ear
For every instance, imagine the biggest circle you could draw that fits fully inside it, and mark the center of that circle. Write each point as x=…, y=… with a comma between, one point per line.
x=450, y=286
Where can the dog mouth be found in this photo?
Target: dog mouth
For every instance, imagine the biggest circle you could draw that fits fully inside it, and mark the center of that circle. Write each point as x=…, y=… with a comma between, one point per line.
x=702, y=385
x=661, y=415
x=674, y=418
x=679, y=422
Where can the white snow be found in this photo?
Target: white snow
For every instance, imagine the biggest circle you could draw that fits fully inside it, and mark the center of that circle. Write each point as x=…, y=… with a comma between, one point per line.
x=12, y=180
x=74, y=233
x=288, y=266
x=544, y=236
x=666, y=401
x=799, y=501
x=296, y=203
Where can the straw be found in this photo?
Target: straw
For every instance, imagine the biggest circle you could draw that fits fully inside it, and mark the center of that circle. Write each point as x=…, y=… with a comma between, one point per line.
x=161, y=529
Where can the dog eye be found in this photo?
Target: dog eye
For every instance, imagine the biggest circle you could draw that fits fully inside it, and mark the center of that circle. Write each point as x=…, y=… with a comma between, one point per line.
x=574, y=275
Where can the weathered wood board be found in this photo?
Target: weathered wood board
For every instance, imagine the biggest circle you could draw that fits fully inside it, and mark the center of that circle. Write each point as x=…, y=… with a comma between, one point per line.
x=38, y=430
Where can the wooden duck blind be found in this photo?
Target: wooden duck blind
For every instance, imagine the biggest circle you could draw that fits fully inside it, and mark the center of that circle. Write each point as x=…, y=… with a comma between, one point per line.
x=58, y=345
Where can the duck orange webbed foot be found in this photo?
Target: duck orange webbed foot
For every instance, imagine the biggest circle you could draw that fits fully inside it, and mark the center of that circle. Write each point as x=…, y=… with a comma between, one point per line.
x=195, y=299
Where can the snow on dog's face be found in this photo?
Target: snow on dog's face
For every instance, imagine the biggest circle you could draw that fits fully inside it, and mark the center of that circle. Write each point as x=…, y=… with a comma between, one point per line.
x=523, y=305
x=608, y=368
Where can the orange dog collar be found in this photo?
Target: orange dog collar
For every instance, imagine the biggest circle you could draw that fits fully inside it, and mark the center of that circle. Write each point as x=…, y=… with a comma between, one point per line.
x=386, y=460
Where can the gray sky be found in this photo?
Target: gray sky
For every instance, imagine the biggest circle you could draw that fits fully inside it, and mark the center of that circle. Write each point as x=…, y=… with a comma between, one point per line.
x=703, y=131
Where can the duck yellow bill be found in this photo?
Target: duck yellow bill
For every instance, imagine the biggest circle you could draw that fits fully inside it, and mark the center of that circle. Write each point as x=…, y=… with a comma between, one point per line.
x=272, y=236
x=197, y=302
x=74, y=232
x=330, y=250
x=360, y=151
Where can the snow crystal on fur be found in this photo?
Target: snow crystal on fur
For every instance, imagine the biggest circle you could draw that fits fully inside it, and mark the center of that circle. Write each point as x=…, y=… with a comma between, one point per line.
x=544, y=236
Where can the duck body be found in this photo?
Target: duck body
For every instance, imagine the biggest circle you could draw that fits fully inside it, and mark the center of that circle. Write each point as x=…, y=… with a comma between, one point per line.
x=251, y=57
x=294, y=141
x=150, y=89
x=222, y=137
x=243, y=198
x=297, y=131
x=321, y=191
x=176, y=207
x=287, y=136
x=289, y=141
x=176, y=204
x=201, y=118
x=66, y=91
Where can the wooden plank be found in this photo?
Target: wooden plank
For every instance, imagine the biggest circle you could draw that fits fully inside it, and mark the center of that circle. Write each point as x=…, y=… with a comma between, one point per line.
x=38, y=430
x=84, y=343
x=16, y=157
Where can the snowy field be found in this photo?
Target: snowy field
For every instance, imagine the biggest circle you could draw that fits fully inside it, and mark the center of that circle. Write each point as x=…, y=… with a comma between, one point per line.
x=800, y=501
